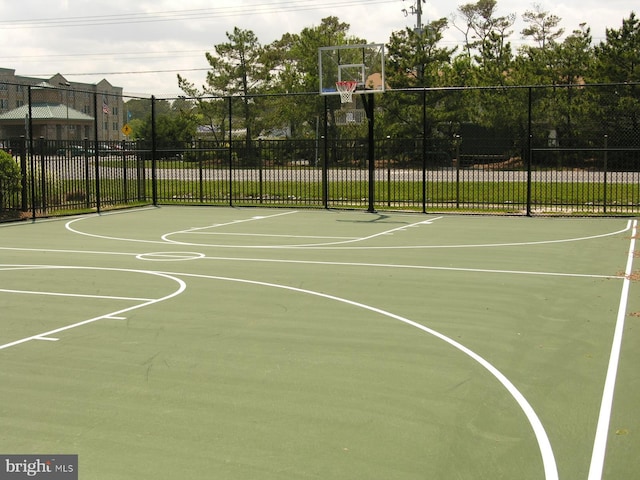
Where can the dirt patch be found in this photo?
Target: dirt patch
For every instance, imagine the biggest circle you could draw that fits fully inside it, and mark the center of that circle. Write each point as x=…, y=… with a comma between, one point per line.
x=10, y=215
x=633, y=276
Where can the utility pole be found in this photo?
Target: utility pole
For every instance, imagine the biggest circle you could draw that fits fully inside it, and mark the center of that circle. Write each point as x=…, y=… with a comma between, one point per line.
x=418, y=30
x=416, y=10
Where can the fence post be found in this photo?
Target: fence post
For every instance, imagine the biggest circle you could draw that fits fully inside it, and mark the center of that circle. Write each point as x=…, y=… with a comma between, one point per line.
x=325, y=159
x=370, y=107
x=458, y=141
x=43, y=175
x=200, y=157
x=606, y=157
x=529, y=151
x=86, y=145
x=230, y=151
x=424, y=151
x=154, y=173
x=32, y=167
x=258, y=155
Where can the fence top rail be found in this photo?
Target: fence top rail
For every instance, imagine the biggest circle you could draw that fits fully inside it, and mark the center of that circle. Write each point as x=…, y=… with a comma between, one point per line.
x=585, y=149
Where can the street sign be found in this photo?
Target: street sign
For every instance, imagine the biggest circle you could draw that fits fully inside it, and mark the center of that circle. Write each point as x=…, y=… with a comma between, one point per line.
x=126, y=129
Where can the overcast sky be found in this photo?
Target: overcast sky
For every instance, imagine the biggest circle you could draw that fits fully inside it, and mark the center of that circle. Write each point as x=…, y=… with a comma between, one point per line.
x=140, y=45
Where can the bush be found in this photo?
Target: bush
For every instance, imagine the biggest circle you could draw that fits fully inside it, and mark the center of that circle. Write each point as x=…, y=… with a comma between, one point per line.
x=9, y=178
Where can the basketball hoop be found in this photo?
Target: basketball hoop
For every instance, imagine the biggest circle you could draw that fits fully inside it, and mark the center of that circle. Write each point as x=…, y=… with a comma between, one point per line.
x=346, y=89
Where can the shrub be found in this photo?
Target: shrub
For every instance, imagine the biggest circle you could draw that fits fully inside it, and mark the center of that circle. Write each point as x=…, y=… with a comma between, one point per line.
x=9, y=178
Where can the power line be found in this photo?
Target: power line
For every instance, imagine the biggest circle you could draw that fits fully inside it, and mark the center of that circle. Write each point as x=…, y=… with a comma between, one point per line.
x=181, y=15
x=69, y=74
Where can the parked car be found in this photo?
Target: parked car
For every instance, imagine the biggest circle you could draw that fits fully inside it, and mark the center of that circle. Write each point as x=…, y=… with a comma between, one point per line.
x=74, y=151
x=106, y=149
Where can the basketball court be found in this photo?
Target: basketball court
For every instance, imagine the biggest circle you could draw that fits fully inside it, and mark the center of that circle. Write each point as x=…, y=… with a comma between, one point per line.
x=230, y=343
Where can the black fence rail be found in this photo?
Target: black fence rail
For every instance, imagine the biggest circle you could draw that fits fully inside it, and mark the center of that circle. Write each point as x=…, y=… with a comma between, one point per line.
x=530, y=151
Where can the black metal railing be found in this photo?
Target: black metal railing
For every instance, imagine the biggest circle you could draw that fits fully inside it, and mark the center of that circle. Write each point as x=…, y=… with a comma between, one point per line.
x=528, y=159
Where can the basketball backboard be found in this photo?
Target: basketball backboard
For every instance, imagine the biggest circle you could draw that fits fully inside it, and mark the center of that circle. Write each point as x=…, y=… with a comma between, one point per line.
x=363, y=64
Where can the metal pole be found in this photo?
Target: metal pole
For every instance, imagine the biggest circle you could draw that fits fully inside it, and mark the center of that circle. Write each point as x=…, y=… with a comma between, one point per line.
x=86, y=144
x=606, y=158
x=230, y=153
x=325, y=159
x=529, y=152
x=424, y=151
x=29, y=126
x=154, y=177
x=419, y=13
x=370, y=107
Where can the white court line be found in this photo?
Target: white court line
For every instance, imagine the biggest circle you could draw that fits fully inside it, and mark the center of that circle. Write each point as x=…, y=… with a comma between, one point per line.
x=307, y=245
x=77, y=295
x=233, y=222
x=271, y=235
x=602, y=430
x=413, y=267
x=69, y=227
x=181, y=288
x=548, y=458
x=330, y=245
x=491, y=245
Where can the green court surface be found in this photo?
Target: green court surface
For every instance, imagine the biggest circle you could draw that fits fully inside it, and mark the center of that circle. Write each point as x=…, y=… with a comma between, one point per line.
x=220, y=343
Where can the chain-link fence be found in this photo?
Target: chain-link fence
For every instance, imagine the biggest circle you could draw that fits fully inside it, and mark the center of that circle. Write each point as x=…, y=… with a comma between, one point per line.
x=522, y=150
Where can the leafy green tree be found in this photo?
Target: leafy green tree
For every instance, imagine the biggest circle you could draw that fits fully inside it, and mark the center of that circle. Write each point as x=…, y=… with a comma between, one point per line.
x=414, y=59
x=296, y=56
x=136, y=112
x=9, y=178
x=542, y=26
x=295, y=69
x=535, y=64
x=212, y=112
x=487, y=34
x=239, y=67
x=568, y=111
x=176, y=124
x=618, y=57
x=618, y=61
x=573, y=58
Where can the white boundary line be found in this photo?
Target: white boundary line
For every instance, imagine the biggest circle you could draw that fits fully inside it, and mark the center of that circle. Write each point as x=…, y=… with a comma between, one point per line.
x=602, y=430
x=546, y=451
x=75, y=295
x=41, y=336
x=413, y=267
x=548, y=458
x=307, y=245
x=194, y=230
x=597, y=461
x=339, y=245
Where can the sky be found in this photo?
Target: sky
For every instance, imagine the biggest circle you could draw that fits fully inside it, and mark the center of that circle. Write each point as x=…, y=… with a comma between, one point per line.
x=141, y=45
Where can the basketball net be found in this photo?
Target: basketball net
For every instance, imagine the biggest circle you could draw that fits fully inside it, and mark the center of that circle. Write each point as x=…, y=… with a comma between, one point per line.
x=346, y=89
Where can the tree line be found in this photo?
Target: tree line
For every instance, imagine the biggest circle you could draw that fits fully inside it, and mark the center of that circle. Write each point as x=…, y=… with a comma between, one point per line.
x=245, y=68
